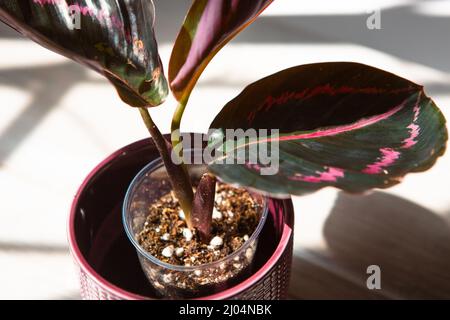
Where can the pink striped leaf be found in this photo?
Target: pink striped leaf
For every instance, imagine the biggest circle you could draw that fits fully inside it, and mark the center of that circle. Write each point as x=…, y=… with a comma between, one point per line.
x=345, y=125
x=114, y=38
x=209, y=25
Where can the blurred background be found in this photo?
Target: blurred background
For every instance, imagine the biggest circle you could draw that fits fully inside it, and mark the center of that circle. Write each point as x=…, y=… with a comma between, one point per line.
x=53, y=131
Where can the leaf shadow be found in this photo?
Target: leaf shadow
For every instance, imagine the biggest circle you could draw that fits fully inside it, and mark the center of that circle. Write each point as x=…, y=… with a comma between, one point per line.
x=411, y=244
x=406, y=33
x=47, y=85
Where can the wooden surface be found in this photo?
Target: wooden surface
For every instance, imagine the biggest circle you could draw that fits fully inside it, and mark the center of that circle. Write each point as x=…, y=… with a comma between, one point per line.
x=410, y=244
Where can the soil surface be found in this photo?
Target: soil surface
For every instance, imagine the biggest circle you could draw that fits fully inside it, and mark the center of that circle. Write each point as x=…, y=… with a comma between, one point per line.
x=166, y=236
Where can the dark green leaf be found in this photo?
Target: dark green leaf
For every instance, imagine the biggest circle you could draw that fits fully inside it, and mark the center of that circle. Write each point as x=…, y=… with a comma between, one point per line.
x=345, y=125
x=113, y=37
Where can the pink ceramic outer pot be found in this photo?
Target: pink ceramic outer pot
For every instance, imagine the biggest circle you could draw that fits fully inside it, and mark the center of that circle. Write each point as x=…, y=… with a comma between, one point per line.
x=107, y=263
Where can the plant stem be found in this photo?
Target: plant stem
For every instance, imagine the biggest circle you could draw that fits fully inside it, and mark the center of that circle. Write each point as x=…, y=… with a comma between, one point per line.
x=176, y=122
x=203, y=200
x=178, y=175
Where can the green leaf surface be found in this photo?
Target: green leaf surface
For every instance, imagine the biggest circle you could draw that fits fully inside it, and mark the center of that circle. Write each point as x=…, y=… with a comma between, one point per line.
x=345, y=125
x=112, y=37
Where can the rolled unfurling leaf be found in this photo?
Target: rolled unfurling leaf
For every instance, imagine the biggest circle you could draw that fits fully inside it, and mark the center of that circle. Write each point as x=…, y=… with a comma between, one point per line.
x=208, y=26
x=203, y=205
x=113, y=37
x=345, y=125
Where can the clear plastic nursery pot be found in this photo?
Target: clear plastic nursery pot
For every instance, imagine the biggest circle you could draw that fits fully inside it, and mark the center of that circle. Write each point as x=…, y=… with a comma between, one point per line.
x=108, y=265
x=174, y=281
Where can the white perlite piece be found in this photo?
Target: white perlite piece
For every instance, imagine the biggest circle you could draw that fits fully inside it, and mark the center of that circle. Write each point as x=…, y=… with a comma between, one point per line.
x=179, y=252
x=218, y=199
x=181, y=214
x=198, y=273
x=167, y=278
x=216, y=242
x=217, y=215
x=246, y=238
x=167, y=251
x=165, y=237
x=158, y=285
x=187, y=234
x=249, y=254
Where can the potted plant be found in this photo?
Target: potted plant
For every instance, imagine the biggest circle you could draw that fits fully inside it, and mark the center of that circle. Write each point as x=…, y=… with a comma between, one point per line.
x=338, y=124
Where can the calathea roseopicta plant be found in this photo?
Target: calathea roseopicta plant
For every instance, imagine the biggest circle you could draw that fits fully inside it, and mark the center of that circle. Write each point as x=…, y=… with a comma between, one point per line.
x=340, y=124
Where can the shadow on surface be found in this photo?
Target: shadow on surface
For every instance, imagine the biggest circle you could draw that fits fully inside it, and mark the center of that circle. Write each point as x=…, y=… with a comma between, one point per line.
x=314, y=277
x=47, y=85
x=406, y=33
x=7, y=32
x=410, y=244
x=31, y=248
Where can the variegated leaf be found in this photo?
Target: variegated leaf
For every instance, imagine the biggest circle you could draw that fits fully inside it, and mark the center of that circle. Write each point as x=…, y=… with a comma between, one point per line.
x=345, y=125
x=112, y=37
x=209, y=25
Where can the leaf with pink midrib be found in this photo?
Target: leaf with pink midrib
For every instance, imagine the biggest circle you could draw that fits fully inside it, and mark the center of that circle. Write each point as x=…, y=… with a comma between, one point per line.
x=348, y=125
x=114, y=38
